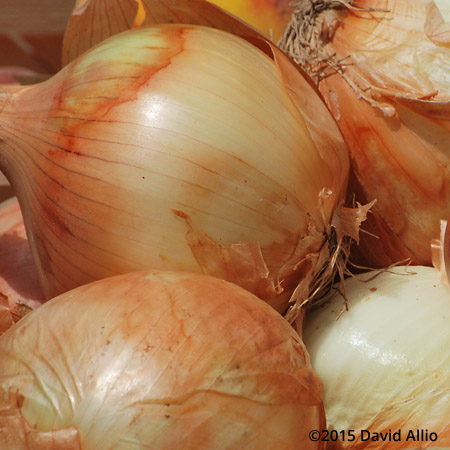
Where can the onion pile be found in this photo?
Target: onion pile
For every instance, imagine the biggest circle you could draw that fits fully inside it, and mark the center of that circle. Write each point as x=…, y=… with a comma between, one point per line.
x=181, y=178
x=381, y=347
x=174, y=147
x=157, y=360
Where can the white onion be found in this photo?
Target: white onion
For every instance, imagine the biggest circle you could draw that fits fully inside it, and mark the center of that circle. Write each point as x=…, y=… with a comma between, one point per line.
x=385, y=363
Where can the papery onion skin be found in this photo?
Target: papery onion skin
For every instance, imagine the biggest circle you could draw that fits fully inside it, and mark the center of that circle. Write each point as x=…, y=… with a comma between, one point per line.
x=386, y=78
x=18, y=275
x=20, y=290
x=160, y=359
x=384, y=363
x=89, y=24
x=174, y=147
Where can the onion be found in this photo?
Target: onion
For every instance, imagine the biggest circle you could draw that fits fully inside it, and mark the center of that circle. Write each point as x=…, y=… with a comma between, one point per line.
x=383, y=67
x=182, y=148
x=158, y=360
x=385, y=363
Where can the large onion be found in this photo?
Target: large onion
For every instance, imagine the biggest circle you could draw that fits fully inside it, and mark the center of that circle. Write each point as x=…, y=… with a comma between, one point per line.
x=156, y=360
x=176, y=147
x=383, y=67
x=385, y=363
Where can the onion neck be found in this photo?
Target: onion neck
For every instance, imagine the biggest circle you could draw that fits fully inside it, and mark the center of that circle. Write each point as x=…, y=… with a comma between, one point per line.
x=7, y=94
x=312, y=26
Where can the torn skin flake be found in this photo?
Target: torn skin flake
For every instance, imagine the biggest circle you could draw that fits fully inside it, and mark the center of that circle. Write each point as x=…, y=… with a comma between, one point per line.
x=309, y=270
x=6, y=320
x=11, y=418
x=440, y=252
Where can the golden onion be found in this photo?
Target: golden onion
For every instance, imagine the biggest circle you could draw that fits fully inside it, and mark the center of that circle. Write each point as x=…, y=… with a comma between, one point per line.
x=176, y=147
x=157, y=360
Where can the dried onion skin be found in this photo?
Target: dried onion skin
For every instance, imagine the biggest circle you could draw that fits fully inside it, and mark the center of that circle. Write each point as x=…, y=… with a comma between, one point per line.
x=20, y=291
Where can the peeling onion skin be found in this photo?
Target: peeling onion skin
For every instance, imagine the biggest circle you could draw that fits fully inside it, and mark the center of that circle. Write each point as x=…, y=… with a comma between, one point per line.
x=391, y=100
x=385, y=363
x=161, y=359
x=20, y=290
x=159, y=139
x=92, y=21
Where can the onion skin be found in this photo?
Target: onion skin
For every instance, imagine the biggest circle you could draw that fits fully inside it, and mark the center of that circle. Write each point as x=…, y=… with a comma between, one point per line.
x=19, y=284
x=384, y=363
x=171, y=360
x=385, y=75
x=130, y=166
x=93, y=21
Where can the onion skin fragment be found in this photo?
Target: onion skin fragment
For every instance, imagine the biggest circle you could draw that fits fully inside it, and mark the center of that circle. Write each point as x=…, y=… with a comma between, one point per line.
x=20, y=291
x=383, y=67
x=174, y=118
x=167, y=359
x=89, y=25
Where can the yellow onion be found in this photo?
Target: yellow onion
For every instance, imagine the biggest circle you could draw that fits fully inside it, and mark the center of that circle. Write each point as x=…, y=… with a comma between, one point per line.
x=383, y=67
x=177, y=147
x=19, y=285
x=159, y=360
x=385, y=363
